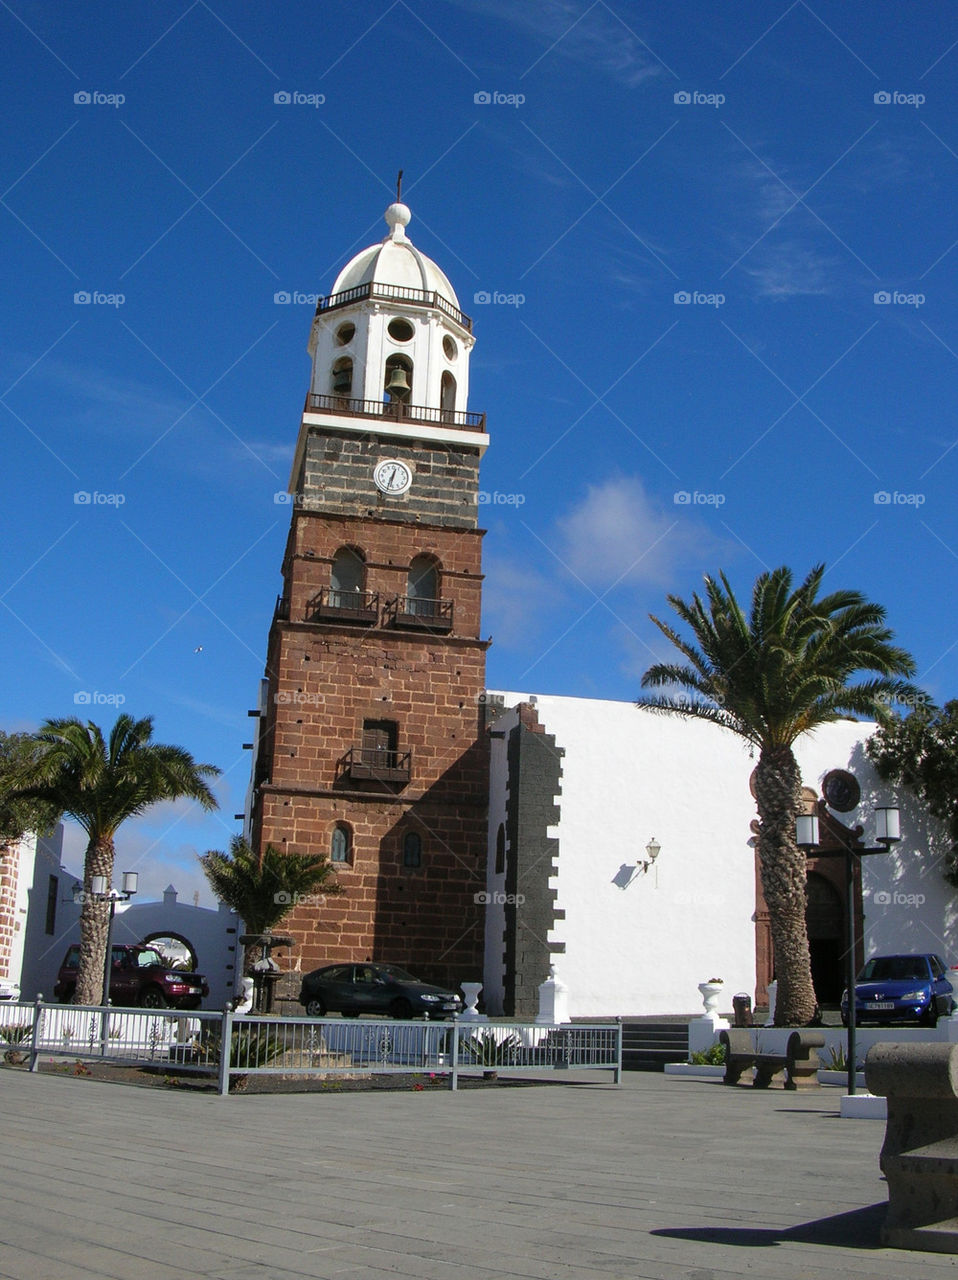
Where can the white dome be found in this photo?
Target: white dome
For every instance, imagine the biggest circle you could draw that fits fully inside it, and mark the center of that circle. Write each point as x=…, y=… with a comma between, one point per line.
x=396, y=261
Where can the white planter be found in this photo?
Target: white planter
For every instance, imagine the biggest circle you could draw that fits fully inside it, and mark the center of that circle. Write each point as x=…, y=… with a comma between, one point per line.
x=703, y=1071
x=863, y=1106
x=827, y=1076
x=710, y=992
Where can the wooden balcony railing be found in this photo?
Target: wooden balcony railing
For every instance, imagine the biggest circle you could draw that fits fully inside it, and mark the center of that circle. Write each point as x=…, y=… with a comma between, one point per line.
x=348, y=407
x=373, y=764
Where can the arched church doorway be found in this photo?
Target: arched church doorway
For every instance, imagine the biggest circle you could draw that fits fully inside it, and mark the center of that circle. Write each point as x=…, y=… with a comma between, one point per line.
x=825, y=921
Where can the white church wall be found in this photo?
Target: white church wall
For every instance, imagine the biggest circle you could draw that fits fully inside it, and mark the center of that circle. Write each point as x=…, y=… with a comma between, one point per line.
x=638, y=943
x=212, y=934
x=47, y=933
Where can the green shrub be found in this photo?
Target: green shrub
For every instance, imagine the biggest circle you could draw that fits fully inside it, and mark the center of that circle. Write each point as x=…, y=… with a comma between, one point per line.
x=714, y=1057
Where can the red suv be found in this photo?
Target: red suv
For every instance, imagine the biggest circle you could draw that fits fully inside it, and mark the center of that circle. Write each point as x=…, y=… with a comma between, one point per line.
x=139, y=976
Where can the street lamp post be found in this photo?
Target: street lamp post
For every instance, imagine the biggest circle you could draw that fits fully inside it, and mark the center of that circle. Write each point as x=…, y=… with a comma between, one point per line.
x=103, y=891
x=888, y=832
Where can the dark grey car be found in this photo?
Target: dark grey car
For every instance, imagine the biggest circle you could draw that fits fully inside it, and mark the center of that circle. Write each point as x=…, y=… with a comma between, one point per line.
x=352, y=989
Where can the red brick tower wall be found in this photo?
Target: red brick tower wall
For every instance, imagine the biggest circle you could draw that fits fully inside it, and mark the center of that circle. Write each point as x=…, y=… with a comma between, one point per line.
x=328, y=675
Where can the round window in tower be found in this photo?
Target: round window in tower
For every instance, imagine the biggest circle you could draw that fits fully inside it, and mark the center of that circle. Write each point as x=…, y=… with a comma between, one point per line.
x=345, y=334
x=400, y=330
x=450, y=348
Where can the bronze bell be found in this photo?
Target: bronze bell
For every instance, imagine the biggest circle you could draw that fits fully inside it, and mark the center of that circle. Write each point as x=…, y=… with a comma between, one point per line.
x=397, y=386
x=342, y=381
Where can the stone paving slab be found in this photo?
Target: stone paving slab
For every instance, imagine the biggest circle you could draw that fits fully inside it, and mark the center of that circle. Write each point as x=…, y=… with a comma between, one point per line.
x=660, y=1179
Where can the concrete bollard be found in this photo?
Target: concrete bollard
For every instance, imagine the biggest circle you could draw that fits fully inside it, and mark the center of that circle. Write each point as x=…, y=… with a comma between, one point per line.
x=919, y=1157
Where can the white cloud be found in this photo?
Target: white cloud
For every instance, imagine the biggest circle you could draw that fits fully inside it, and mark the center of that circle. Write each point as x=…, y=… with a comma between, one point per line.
x=601, y=41
x=789, y=269
x=617, y=533
x=517, y=601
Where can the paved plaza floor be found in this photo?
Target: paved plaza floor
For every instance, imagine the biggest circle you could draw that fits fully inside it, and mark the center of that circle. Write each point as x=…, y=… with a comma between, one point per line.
x=663, y=1178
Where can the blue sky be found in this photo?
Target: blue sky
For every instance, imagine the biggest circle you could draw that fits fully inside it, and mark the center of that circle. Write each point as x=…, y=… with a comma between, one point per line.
x=721, y=244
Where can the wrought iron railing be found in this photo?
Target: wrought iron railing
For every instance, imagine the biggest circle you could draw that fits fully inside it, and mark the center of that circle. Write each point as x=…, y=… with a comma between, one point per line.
x=374, y=764
x=350, y=407
x=394, y=293
x=416, y=612
x=343, y=606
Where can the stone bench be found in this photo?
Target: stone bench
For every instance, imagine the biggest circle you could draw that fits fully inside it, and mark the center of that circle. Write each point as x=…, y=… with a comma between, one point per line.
x=919, y=1157
x=796, y=1068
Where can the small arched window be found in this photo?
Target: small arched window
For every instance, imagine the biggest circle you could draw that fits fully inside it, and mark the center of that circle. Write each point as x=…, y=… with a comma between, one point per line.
x=341, y=844
x=422, y=587
x=447, y=393
x=346, y=578
x=500, y=850
x=342, y=377
x=412, y=849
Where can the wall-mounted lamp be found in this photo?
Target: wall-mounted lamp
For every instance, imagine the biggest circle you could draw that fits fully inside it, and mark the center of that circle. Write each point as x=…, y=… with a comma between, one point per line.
x=652, y=849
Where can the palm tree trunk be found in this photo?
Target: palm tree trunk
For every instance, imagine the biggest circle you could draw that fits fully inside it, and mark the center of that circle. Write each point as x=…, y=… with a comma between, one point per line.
x=94, y=925
x=778, y=787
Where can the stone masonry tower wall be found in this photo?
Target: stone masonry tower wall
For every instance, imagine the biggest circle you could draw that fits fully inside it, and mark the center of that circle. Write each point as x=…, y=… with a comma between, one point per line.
x=371, y=747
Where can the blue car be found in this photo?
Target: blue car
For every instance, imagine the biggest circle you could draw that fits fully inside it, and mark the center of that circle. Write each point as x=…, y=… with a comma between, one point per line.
x=913, y=988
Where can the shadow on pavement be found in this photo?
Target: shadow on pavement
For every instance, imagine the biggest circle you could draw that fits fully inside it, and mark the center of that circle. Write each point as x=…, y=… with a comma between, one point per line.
x=858, y=1229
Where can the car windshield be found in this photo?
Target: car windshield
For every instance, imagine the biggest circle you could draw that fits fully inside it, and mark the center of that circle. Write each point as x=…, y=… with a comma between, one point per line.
x=147, y=957
x=393, y=971
x=895, y=969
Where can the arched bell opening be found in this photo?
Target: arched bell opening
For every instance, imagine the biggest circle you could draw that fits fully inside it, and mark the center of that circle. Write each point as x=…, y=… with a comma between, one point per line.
x=397, y=384
x=341, y=379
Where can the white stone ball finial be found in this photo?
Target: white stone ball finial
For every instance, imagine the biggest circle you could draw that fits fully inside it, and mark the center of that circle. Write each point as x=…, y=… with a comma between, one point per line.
x=397, y=219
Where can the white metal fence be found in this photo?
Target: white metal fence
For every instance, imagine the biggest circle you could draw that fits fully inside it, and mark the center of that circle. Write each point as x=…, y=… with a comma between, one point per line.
x=194, y=1040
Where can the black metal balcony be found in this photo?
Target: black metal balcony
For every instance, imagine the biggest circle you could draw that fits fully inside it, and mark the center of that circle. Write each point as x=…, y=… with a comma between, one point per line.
x=394, y=293
x=376, y=764
x=395, y=410
x=332, y=605
x=417, y=614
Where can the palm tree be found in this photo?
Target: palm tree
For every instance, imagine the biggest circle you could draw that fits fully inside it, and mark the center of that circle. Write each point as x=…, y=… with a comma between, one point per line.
x=261, y=890
x=100, y=784
x=770, y=677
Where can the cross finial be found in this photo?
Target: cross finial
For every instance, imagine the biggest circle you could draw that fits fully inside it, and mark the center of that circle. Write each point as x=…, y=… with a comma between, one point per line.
x=399, y=187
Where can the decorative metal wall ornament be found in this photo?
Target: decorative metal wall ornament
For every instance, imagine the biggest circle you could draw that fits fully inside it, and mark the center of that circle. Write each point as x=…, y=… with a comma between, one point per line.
x=841, y=790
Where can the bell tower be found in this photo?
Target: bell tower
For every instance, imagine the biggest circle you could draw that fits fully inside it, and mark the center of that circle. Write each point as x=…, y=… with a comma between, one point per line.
x=370, y=747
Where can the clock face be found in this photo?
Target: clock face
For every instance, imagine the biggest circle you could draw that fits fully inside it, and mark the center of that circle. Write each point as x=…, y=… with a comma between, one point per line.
x=392, y=476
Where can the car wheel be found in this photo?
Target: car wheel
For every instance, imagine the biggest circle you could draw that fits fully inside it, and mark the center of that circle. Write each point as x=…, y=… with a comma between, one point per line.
x=400, y=1009
x=315, y=1008
x=152, y=998
x=930, y=1019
